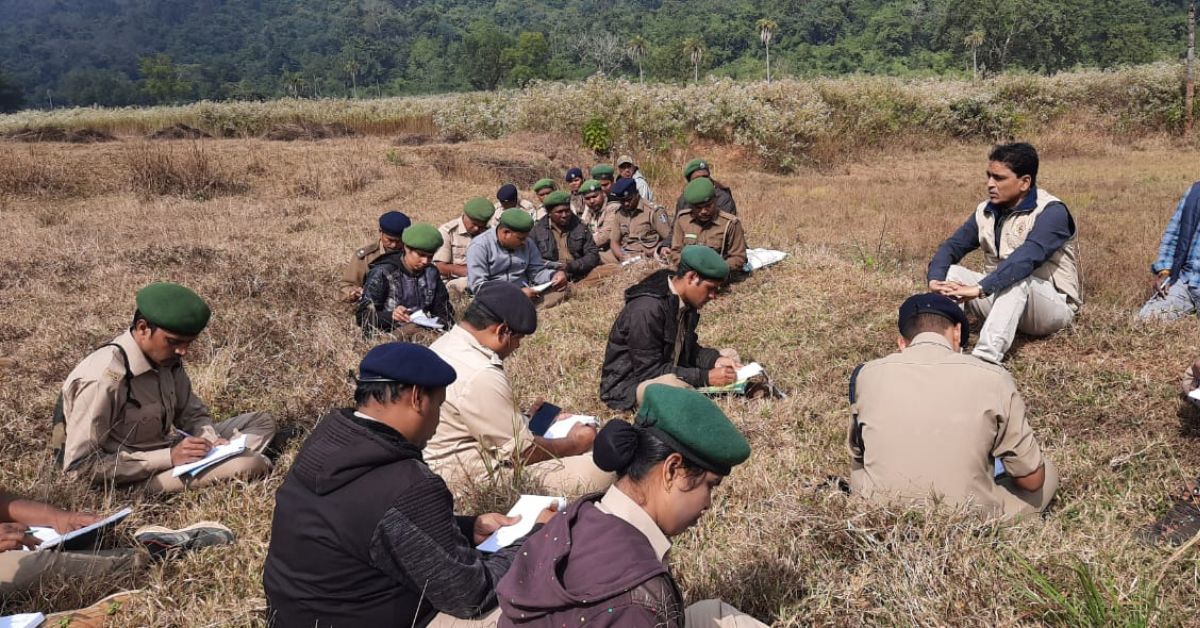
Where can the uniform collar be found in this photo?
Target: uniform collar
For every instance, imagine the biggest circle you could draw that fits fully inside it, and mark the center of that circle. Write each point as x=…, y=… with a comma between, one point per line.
x=930, y=338
x=1027, y=203
x=138, y=362
x=469, y=339
x=674, y=293
x=621, y=506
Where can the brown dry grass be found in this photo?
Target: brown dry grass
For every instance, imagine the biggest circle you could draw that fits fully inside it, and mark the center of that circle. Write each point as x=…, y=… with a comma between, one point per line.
x=777, y=543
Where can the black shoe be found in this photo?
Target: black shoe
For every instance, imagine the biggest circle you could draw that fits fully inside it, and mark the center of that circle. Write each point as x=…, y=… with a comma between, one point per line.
x=280, y=441
x=161, y=541
x=1179, y=524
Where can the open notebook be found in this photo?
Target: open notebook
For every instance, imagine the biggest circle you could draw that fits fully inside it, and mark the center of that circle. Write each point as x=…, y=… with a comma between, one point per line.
x=743, y=375
x=81, y=539
x=217, y=454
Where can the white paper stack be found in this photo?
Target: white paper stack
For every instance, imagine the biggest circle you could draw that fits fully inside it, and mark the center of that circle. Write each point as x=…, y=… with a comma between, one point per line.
x=562, y=427
x=529, y=507
x=217, y=454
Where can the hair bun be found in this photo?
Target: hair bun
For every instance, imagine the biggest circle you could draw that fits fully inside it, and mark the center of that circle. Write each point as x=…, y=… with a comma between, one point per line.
x=615, y=446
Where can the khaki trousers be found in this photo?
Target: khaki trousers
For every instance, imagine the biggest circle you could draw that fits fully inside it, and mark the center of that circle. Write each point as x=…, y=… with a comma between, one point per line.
x=20, y=570
x=570, y=476
x=597, y=275
x=259, y=428
x=1031, y=306
x=670, y=379
x=549, y=299
x=443, y=620
x=457, y=287
x=717, y=614
x=1018, y=502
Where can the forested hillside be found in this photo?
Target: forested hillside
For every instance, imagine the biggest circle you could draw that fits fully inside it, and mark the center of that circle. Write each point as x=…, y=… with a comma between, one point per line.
x=119, y=52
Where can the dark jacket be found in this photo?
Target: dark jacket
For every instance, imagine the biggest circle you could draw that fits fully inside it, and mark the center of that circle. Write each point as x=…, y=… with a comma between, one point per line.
x=642, y=343
x=588, y=568
x=389, y=285
x=723, y=199
x=579, y=241
x=365, y=535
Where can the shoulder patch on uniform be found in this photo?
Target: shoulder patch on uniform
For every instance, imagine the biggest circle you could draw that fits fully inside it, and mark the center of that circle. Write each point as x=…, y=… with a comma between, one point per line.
x=361, y=254
x=113, y=375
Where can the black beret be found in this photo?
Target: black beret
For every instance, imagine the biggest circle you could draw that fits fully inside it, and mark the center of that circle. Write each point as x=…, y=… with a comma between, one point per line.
x=394, y=223
x=574, y=174
x=933, y=303
x=623, y=188
x=507, y=303
x=405, y=363
x=507, y=193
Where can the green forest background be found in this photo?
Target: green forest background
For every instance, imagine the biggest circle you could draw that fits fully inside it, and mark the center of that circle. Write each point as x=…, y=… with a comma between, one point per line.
x=56, y=53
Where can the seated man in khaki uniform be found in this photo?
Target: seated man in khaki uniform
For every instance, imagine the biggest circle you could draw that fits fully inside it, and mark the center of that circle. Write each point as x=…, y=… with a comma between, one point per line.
x=654, y=341
x=723, y=197
x=929, y=423
x=130, y=412
x=574, y=180
x=597, y=210
x=481, y=430
x=702, y=223
x=451, y=257
x=507, y=197
x=391, y=228
x=638, y=228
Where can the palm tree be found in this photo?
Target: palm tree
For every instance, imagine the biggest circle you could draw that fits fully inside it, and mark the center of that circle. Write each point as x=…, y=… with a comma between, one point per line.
x=766, y=30
x=695, y=49
x=974, y=39
x=636, y=49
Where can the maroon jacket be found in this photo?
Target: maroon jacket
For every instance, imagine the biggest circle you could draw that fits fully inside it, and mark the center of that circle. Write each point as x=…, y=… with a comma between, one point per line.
x=589, y=568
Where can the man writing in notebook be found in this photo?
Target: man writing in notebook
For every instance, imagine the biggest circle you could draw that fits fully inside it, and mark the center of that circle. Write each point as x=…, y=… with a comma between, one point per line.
x=654, y=341
x=129, y=414
x=364, y=533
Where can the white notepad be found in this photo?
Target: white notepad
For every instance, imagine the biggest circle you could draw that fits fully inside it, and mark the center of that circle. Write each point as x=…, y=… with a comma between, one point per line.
x=24, y=620
x=542, y=287
x=529, y=507
x=562, y=427
x=632, y=260
x=217, y=454
x=51, y=538
x=424, y=320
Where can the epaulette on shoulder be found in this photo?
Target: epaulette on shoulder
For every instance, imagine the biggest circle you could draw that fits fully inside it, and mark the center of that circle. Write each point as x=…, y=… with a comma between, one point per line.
x=366, y=250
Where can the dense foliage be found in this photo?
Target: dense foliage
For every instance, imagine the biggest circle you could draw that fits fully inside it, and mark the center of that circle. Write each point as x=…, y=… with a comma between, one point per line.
x=119, y=52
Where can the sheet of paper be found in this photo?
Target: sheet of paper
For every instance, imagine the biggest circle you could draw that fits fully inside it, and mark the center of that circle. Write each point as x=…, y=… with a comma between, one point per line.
x=562, y=427
x=528, y=506
x=542, y=286
x=51, y=538
x=758, y=258
x=632, y=260
x=24, y=620
x=424, y=320
x=215, y=455
x=1195, y=395
x=749, y=370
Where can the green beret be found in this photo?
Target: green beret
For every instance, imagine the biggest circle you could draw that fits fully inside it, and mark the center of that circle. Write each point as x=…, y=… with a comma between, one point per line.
x=544, y=183
x=694, y=165
x=480, y=209
x=517, y=219
x=706, y=262
x=701, y=190
x=422, y=237
x=591, y=185
x=555, y=198
x=174, y=308
x=603, y=170
x=694, y=426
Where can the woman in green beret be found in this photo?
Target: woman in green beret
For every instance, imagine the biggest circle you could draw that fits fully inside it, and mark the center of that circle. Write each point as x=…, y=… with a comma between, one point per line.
x=601, y=562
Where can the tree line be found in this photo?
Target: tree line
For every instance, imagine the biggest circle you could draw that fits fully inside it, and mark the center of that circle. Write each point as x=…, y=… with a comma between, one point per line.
x=136, y=52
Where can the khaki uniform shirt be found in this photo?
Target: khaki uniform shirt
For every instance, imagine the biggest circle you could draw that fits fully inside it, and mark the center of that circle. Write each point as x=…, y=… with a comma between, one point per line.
x=621, y=506
x=577, y=204
x=929, y=421
x=454, y=243
x=356, y=270
x=479, y=419
x=642, y=231
x=560, y=243
x=723, y=234
x=110, y=438
x=534, y=209
x=598, y=222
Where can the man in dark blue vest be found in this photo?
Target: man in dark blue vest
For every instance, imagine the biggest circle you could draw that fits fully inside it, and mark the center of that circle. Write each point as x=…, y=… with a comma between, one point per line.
x=1176, y=272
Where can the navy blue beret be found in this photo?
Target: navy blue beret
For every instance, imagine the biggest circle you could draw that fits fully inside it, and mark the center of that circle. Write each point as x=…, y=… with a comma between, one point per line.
x=507, y=193
x=405, y=363
x=394, y=223
x=574, y=174
x=623, y=188
x=933, y=303
x=507, y=303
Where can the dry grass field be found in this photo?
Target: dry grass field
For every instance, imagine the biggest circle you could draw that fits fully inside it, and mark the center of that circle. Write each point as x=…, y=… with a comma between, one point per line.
x=260, y=229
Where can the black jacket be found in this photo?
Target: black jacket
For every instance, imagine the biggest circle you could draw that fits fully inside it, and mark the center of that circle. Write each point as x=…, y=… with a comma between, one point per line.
x=389, y=285
x=723, y=199
x=579, y=241
x=364, y=535
x=641, y=343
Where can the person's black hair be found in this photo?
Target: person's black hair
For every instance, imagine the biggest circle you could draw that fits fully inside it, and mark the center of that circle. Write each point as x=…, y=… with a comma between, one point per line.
x=633, y=450
x=383, y=392
x=138, y=316
x=682, y=270
x=479, y=317
x=1020, y=157
x=924, y=322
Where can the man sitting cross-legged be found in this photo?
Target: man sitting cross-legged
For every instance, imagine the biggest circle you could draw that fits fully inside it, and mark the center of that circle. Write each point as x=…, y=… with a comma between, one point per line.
x=506, y=253
x=654, y=341
x=566, y=243
x=364, y=534
x=481, y=429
